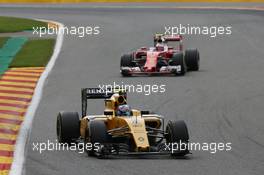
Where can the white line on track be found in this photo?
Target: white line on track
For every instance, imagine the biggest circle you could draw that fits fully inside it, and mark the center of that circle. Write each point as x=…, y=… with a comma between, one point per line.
x=23, y=136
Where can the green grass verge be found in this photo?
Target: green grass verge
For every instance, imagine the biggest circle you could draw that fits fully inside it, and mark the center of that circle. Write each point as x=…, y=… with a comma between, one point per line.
x=11, y=24
x=2, y=41
x=35, y=53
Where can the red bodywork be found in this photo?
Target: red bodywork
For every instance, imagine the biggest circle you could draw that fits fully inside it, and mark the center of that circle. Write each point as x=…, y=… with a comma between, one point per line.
x=151, y=61
x=147, y=58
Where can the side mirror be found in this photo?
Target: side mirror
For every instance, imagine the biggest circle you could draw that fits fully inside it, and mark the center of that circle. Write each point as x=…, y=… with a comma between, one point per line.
x=145, y=112
x=108, y=113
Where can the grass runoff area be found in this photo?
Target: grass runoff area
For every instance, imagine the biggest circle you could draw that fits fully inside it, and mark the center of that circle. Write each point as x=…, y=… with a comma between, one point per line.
x=35, y=53
x=2, y=41
x=12, y=24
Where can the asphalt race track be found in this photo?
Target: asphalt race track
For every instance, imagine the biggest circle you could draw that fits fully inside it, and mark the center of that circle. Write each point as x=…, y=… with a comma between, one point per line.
x=223, y=102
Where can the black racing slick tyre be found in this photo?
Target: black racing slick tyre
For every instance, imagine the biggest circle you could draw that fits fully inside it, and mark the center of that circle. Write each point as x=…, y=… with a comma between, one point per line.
x=192, y=59
x=97, y=133
x=126, y=61
x=177, y=133
x=68, y=127
x=178, y=60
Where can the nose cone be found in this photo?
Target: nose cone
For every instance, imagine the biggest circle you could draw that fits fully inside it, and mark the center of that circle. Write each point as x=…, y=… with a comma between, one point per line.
x=151, y=62
x=138, y=131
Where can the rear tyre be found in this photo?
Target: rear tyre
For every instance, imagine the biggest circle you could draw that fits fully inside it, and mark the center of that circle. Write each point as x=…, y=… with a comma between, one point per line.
x=97, y=135
x=68, y=127
x=177, y=132
x=126, y=61
x=192, y=59
x=178, y=60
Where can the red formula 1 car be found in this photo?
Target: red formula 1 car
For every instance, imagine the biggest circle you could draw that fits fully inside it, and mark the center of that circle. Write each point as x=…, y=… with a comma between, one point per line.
x=161, y=59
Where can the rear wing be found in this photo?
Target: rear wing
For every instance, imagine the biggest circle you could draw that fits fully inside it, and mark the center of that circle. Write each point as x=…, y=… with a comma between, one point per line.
x=168, y=37
x=98, y=93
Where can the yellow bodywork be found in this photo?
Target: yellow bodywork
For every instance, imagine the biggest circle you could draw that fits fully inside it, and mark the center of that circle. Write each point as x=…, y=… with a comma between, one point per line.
x=133, y=126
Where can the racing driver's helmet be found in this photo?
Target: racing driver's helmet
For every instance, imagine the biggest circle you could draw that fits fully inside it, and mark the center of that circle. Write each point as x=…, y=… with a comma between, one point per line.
x=159, y=40
x=123, y=110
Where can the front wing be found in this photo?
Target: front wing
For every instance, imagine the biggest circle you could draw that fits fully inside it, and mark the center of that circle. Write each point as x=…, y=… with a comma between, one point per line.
x=107, y=150
x=162, y=70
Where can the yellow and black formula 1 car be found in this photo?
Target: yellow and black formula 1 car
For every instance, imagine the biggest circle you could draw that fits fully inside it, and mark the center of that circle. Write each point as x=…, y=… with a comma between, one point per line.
x=121, y=130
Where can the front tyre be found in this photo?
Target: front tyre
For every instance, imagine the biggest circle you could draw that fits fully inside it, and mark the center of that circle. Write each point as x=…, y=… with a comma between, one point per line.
x=178, y=60
x=177, y=133
x=126, y=61
x=98, y=135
